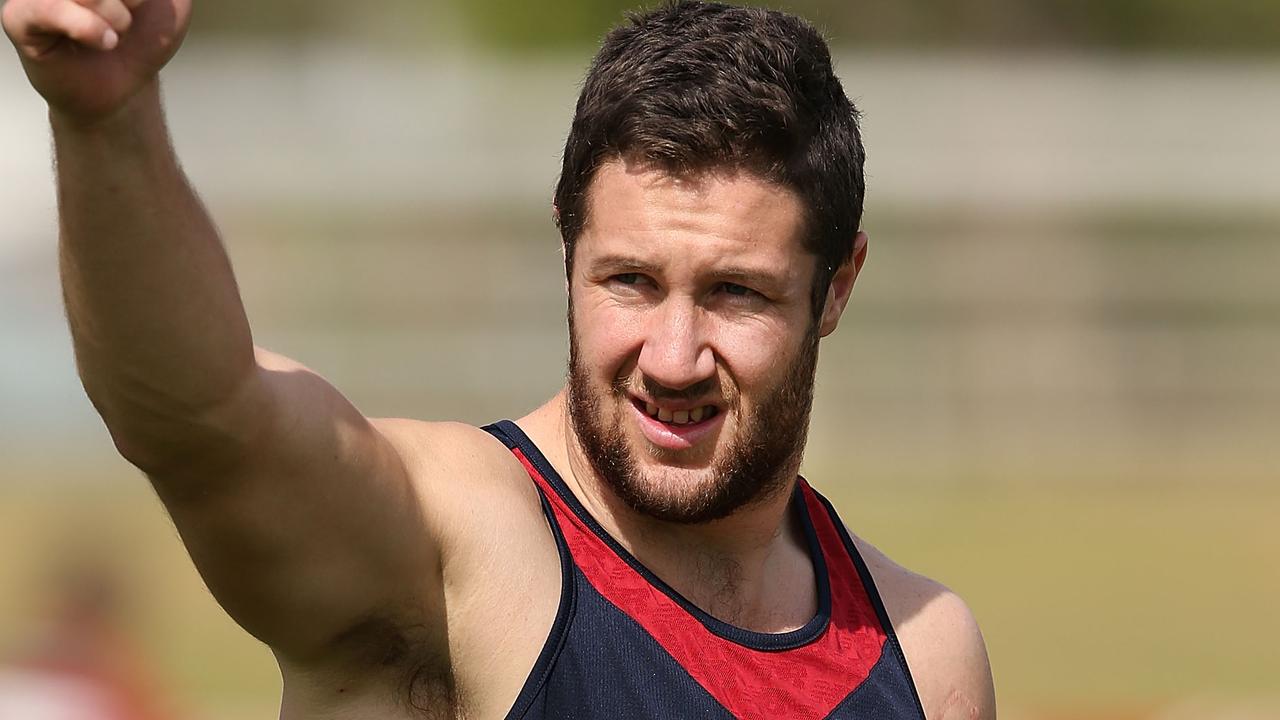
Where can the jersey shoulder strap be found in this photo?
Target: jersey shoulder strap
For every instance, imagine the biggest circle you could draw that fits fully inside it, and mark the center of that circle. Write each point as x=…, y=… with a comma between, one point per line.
x=899, y=688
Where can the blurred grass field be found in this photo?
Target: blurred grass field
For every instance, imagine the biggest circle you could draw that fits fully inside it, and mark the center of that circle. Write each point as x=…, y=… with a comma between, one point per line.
x=1096, y=602
x=1102, y=598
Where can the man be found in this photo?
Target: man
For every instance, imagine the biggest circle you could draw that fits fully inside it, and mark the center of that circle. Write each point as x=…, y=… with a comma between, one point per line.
x=639, y=546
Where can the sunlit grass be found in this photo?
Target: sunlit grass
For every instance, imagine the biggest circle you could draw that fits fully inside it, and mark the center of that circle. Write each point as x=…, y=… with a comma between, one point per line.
x=1099, y=596
x=1099, y=599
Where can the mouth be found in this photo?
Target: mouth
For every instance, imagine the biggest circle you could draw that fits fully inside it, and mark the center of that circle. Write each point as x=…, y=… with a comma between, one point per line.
x=672, y=428
x=679, y=417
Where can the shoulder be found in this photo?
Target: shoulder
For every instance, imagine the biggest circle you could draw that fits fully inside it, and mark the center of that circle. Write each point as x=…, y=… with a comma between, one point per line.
x=450, y=454
x=469, y=483
x=940, y=638
x=439, y=447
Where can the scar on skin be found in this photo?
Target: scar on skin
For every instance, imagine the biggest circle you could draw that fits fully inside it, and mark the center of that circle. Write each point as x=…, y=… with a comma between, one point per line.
x=959, y=707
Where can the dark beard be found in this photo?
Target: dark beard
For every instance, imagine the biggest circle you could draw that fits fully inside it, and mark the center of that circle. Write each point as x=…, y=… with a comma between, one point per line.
x=758, y=464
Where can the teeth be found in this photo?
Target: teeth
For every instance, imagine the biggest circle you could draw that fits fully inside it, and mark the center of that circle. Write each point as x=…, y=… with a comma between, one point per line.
x=680, y=417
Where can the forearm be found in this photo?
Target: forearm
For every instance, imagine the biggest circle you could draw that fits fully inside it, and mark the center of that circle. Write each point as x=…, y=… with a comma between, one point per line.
x=160, y=333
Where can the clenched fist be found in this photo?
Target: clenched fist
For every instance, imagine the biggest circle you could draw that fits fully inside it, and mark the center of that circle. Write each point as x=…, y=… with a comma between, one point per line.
x=89, y=57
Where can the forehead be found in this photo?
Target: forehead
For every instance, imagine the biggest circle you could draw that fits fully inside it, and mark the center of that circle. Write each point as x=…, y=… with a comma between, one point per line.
x=729, y=214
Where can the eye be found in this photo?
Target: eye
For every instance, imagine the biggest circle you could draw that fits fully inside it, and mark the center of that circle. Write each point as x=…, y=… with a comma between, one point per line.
x=629, y=284
x=737, y=290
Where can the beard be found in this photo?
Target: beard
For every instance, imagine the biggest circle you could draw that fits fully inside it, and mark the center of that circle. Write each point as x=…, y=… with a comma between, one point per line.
x=758, y=462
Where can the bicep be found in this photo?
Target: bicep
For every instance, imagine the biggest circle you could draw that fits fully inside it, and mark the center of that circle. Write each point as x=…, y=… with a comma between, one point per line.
x=316, y=527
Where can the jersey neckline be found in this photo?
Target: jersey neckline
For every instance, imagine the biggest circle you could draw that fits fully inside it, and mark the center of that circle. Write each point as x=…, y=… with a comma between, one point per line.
x=799, y=637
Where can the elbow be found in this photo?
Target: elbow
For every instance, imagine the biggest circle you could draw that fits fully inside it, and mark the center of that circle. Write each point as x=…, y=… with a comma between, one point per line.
x=164, y=438
x=176, y=448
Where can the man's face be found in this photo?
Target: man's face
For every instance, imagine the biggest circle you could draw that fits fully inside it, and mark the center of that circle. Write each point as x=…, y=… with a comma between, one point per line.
x=692, y=340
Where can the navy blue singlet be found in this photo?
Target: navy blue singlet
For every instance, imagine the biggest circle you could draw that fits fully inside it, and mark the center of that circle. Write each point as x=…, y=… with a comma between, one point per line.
x=625, y=645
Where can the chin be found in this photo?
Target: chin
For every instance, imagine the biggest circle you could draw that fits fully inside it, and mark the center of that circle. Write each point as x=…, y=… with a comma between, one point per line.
x=671, y=490
x=733, y=471
x=748, y=455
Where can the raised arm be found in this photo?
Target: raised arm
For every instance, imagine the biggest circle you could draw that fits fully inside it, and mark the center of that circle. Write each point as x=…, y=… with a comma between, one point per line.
x=300, y=513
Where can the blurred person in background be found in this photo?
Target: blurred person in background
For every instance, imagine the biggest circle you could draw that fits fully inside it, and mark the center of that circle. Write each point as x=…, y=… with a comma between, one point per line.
x=79, y=662
x=666, y=560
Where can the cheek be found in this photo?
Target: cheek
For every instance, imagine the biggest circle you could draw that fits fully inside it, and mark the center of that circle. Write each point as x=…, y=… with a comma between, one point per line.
x=606, y=335
x=753, y=351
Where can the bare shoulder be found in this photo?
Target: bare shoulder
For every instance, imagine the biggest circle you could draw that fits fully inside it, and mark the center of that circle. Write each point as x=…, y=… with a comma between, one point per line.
x=472, y=486
x=495, y=544
x=449, y=446
x=454, y=462
x=940, y=638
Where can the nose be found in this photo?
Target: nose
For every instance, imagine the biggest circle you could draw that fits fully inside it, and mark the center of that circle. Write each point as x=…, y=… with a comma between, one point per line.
x=676, y=352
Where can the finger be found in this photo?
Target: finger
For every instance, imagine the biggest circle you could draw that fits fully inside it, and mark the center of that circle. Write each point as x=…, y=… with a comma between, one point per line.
x=64, y=18
x=114, y=12
x=12, y=17
x=134, y=3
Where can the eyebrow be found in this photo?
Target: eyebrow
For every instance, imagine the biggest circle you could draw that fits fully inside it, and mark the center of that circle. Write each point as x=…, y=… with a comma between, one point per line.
x=623, y=264
x=749, y=277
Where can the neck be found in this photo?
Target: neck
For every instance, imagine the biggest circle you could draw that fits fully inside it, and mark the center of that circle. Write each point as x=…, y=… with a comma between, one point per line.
x=742, y=569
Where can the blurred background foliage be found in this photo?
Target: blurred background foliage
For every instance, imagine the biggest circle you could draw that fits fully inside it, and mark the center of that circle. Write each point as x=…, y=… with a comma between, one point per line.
x=1194, y=26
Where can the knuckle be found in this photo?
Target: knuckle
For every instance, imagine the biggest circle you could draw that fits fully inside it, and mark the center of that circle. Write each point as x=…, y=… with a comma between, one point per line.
x=117, y=18
x=86, y=28
x=99, y=14
x=11, y=15
x=116, y=13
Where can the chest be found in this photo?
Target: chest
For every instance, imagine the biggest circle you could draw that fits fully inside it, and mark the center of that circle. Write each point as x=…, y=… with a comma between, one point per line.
x=607, y=659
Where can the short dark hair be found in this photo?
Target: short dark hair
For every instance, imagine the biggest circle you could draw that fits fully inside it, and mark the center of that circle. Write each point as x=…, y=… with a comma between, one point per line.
x=697, y=86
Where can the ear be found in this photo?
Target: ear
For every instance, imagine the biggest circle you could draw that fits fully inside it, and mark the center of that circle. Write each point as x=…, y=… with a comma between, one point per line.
x=842, y=286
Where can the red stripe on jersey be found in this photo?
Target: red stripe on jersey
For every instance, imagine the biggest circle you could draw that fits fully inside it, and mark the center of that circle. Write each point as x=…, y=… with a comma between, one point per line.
x=804, y=682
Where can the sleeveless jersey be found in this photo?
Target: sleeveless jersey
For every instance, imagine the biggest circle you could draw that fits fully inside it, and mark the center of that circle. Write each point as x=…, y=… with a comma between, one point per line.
x=626, y=645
